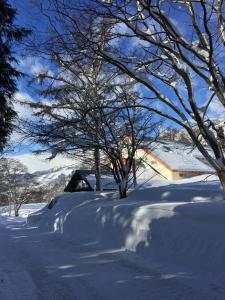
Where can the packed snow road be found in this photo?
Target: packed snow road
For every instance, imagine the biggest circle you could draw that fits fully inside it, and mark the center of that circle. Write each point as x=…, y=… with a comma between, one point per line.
x=39, y=265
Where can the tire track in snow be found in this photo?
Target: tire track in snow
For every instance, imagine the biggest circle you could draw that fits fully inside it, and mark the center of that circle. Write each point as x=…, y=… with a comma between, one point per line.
x=23, y=271
x=104, y=282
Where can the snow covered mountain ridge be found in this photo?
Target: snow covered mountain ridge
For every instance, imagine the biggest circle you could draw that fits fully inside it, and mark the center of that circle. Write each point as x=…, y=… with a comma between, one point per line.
x=50, y=175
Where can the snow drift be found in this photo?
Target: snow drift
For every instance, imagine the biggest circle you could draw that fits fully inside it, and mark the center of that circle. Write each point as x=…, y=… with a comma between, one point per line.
x=177, y=225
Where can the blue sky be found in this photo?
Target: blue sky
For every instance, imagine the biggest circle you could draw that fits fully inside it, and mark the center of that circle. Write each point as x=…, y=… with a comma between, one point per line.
x=28, y=16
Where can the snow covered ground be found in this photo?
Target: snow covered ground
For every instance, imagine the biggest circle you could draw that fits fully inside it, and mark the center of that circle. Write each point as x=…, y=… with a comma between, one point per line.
x=164, y=242
x=25, y=210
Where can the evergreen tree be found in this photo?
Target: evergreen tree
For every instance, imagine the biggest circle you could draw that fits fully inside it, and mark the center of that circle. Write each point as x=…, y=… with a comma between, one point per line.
x=9, y=33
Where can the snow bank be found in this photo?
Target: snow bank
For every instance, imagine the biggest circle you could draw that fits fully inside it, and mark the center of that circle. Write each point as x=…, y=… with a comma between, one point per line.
x=179, y=225
x=25, y=210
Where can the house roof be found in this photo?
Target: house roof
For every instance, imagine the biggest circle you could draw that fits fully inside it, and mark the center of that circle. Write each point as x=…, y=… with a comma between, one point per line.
x=178, y=156
x=108, y=182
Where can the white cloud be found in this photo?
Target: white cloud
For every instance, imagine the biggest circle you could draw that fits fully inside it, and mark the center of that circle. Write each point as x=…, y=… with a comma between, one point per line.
x=16, y=139
x=34, y=65
x=23, y=111
x=216, y=110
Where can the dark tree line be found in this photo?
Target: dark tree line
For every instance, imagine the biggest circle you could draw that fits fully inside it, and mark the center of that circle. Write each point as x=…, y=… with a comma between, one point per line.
x=9, y=34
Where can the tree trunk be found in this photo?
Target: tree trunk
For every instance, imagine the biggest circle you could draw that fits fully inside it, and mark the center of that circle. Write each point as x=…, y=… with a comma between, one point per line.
x=221, y=175
x=16, y=212
x=123, y=187
x=10, y=208
x=122, y=192
x=134, y=173
x=97, y=169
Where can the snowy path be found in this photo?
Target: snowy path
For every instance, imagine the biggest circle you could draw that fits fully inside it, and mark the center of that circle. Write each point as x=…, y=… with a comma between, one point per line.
x=35, y=265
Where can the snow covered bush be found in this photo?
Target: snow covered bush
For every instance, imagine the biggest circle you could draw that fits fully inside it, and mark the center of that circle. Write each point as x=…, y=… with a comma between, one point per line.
x=16, y=186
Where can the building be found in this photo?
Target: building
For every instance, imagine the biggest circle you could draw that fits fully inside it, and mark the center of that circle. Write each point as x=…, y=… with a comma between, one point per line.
x=84, y=180
x=174, y=160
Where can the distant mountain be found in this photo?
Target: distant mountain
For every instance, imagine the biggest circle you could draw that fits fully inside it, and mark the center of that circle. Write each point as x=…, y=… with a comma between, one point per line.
x=181, y=135
x=52, y=175
x=41, y=162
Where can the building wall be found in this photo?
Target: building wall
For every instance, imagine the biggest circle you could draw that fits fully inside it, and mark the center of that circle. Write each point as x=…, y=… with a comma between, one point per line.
x=183, y=175
x=151, y=161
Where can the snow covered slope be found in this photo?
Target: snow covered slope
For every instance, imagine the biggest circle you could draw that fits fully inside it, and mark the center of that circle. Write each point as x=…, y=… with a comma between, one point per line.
x=49, y=172
x=40, y=162
x=175, y=224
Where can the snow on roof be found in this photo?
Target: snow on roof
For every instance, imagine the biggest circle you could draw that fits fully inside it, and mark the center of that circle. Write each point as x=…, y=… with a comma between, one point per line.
x=179, y=156
x=108, y=181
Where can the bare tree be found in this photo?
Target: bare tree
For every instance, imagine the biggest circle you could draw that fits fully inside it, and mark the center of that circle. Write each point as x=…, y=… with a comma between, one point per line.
x=167, y=59
x=17, y=185
x=84, y=112
x=114, y=132
x=80, y=81
x=169, y=47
